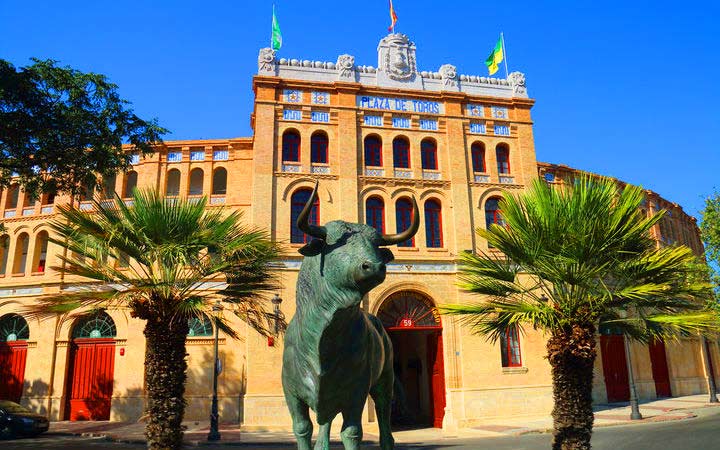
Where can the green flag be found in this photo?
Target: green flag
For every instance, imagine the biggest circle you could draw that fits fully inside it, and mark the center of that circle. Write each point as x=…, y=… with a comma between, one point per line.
x=276, y=41
x=495, y=57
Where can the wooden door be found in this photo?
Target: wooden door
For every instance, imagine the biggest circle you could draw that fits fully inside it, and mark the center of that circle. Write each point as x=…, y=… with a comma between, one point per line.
x=12, y=370
x=617, y=385
x=658, y=359
x=91, y=379
x=436, y=368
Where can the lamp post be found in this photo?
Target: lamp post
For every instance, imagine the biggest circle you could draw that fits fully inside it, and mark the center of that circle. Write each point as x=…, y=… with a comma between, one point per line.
x=634, y=408
x=214, y=434
x=708, y=369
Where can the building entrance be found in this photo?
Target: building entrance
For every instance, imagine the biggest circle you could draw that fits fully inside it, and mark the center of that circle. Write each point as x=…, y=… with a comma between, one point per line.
x=92, y=363
x=14, y=335
x=414, y=326
x=612, y=347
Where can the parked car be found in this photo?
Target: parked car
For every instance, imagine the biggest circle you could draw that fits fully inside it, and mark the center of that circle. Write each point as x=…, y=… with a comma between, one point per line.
x=16, y=420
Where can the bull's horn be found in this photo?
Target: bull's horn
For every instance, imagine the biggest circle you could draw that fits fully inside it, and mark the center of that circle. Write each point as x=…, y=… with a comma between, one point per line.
x=392, y=239
x=302, y=220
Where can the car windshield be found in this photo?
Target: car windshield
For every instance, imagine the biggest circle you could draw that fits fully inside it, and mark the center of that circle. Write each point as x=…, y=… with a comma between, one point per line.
x=12, y=407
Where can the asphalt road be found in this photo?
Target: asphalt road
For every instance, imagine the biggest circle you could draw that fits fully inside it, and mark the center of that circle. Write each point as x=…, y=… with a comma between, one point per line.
x=702, y=433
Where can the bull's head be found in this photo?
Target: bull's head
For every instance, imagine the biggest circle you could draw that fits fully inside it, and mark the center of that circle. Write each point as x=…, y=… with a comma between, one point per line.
x=350, y=253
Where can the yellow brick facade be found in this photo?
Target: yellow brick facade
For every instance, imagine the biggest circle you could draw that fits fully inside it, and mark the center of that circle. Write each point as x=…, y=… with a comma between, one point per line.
x=476, y=386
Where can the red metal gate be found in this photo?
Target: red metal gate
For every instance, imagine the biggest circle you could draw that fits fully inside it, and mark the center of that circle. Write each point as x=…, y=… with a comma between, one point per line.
x=436, y=367
x=658, y=359
x=90, y=385
x=12, y=369
x=612, y=348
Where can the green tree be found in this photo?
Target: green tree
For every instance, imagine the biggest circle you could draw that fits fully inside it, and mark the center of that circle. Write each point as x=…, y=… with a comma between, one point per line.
x=574, y=259
x=61, y=129
x=710, y=228
x=166, y=261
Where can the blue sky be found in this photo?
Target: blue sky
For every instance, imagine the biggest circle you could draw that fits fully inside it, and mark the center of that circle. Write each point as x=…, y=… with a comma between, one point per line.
x=628, y=89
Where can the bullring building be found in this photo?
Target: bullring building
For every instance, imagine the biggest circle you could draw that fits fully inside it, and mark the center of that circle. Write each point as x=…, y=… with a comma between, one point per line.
x=374, y=137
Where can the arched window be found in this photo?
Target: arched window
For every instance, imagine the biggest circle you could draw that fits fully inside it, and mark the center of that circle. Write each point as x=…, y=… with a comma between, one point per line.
x=109, y=186
x=172, y=185
x=200, y=327
x=291, y=146
x=4, y=253
x=94, y=325
x=130, y=184
x=12, y=197
x=219, y=181
x=428, y=154
x=502, y=153
x=401, y=153
x=297, y=203
x=403, y=220
x=510, y=347
x=196, y=182
x=477, y=153
x=13, y=327
x=492, y=213
x=40, y=252
x=433, y=224
x=21, y=253
x=375, y=213
x=319, y=147
x=373, y=150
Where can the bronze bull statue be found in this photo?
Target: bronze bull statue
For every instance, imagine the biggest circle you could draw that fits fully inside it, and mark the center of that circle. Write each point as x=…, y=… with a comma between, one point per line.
x=335, y=353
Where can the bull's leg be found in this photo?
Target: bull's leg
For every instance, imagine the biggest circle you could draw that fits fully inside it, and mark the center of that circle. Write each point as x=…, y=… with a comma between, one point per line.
x=323, y=439
x=381, y=394
x=352, y=432
x=302, y=426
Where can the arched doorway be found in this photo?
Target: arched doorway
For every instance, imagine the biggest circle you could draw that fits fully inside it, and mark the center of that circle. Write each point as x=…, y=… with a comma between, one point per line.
x=91, y=368
x=14, y=334
x=413, y=323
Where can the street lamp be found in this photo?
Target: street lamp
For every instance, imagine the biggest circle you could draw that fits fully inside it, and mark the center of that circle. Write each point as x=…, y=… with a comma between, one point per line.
x=214, y=434
x=634, y=408
x=705, y=350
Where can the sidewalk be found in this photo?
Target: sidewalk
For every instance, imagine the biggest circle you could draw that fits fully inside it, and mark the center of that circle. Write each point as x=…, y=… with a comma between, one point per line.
x=677, y=408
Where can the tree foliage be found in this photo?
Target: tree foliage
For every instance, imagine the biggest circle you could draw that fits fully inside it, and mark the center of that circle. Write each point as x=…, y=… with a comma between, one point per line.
x=61, y=129
x=710, y=228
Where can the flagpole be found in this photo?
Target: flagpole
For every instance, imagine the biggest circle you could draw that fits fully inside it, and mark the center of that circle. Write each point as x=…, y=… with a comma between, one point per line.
x=271, y=33
x=502, y=36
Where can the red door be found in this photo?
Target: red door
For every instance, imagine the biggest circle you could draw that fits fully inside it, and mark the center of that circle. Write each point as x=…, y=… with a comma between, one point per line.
x=612, y=348
x=658, y=359
x=436, y=368
x=91, y=379
x=12, y=369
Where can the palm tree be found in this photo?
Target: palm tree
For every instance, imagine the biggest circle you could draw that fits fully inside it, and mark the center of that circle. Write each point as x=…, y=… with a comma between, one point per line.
x=166, y=261
x=573, y=259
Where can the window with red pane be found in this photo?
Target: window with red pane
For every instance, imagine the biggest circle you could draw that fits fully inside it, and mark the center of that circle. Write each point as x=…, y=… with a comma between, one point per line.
x=297, y=203
x=375, y=213
x=373, y=151
x=503, y=158
x=492, y=213
x=403, y=219
x=291, y=146
x=433, y=224
x=319, y=147
x=510, y=347
x=477, y=153
x=401, y=153
x=428, y=154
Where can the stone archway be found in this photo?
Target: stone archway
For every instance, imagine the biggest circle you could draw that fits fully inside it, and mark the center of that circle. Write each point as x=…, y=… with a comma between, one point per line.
x=413, y=323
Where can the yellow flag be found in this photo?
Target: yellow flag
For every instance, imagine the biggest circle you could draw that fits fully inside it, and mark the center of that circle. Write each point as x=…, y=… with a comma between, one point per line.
x=495, y=57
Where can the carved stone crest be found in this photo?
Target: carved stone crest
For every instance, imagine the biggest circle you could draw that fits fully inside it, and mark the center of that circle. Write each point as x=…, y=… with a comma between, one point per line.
x=345, y=65
x=396, y=57
x=517, y=81
x=448, y=73
x=266, y=60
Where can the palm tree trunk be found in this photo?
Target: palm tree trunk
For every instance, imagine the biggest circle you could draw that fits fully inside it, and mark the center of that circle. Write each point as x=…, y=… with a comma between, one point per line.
x=165, y=374
x=571, y=353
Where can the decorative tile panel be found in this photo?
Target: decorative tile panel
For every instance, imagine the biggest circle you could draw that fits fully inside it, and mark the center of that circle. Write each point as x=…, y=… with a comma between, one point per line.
x=291, y=168
x=373, y=121
x=375, y=172
x=321, y=98
x=477, y=127
x=9, y=213
x=46, y=209
x=86, y=206
x=292, y=96
x=482, y=178
x=401, y=122
x=502, y=130
x=474, y=110
x=320, y=116
x=215, y=200
x=429, y=124
x=220, y=155
x=197, y=155
x=174, y=156
x=29, y=211
x=320, y=169
x=507, y=180
x=403, y=173
x=135, y=158
x=431, y=175
x=499, y=112
x=292, y=114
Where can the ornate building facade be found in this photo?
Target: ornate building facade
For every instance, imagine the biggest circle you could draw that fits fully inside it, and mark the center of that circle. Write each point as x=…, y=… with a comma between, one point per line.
x=374, y=137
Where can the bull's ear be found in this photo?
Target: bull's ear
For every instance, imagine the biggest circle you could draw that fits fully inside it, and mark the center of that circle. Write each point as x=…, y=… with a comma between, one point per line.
x=312, y=248
x=387, y=255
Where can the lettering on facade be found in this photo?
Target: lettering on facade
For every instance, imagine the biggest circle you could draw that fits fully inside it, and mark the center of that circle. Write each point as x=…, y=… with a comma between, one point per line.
x=477, y=127
x=292, y=114
x=399, y=104
x=320, y=116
